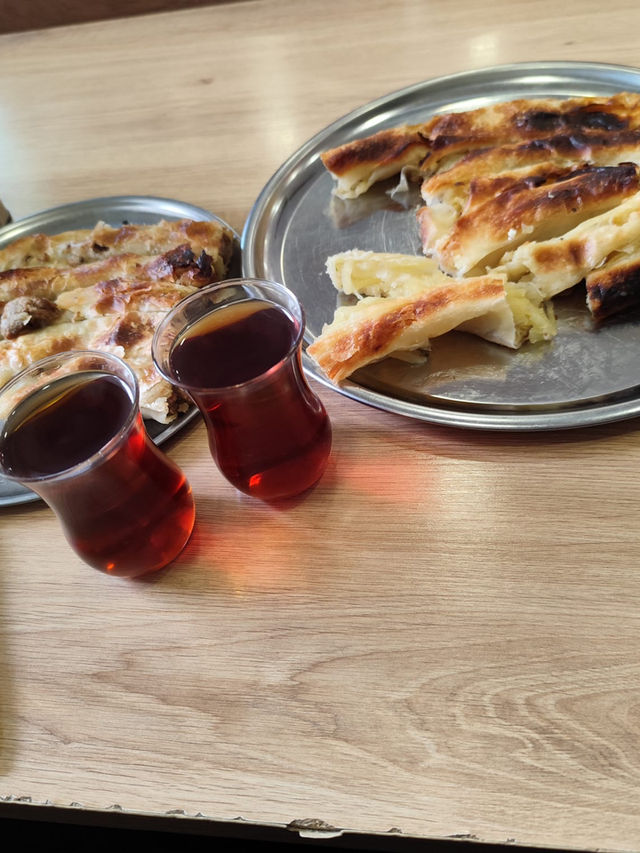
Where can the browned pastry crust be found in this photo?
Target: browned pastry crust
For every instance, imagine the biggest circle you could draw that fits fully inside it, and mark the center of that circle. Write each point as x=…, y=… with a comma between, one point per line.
x=615, y=286
x=559, y=263
x=489, y=164
x=524, y=120
x=532, y=207
x=114, y=303
x=566, y=126
x=127, y=335
x=72, y=248
x=179, y=265
x=359, y=164
x=383, y=146
x=376, y=326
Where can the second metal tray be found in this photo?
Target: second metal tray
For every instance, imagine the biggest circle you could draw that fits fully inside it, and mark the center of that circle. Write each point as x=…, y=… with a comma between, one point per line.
x=115, y=211
x=583, y=377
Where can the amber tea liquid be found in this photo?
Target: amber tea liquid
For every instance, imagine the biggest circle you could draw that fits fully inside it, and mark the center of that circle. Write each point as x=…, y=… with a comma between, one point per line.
x=268, y=432
x=127, y=511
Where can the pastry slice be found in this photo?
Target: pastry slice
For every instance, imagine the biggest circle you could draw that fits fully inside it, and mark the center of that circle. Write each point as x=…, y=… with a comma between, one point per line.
x=376, y=327
x=442, y=140
x=23, y=350
x=359, y=164
x=445, y=201
x=555, y=265
x=520, y=316
x=477, y=170
x=179, y=266
x=537, y=206
x=615, y=286
x=116, y=296
x=128, y=336
x=524, y=120
x=131, y=339
x=82, y=246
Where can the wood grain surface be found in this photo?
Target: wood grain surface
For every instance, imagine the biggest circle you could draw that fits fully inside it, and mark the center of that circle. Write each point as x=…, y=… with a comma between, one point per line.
x=443, y=639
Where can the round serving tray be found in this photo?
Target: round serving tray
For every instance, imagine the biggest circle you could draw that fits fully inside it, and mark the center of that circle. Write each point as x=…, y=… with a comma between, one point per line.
x=115, y=211
x=585, y=376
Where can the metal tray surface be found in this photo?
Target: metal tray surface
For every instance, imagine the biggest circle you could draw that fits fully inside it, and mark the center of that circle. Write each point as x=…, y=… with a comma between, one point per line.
x=581, y=378
x=114, y=210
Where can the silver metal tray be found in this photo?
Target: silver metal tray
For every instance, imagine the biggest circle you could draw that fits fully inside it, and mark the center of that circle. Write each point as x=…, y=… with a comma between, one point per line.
x=583, y=377
x=115, y=211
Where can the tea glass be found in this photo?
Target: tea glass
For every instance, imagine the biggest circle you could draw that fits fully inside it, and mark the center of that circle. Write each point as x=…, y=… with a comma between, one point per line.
x=124, y=506
x=269, y=434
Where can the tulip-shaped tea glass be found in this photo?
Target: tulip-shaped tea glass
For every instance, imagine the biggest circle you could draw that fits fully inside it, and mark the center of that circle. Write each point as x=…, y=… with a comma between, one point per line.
x=235, y=349
x=71, y=430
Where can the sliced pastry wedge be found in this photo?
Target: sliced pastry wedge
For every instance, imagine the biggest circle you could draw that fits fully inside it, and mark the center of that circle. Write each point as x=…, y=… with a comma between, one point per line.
x=180, y=266
x=615, y=286
x=553, y=266
x=502, y=213
x=83, y=246
x=376, y=326
x=475, y=173
x=520, y=316
x=443, y=140
x=524, y=120
x=128, y=336
x=358, y=165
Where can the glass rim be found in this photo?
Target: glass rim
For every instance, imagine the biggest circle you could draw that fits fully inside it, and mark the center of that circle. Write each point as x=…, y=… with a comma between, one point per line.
x=103, y=452
x=161, y=364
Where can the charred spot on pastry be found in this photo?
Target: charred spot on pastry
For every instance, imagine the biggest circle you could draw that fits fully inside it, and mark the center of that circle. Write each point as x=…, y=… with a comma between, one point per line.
x=382, y=146
x=613, y=290
x=550, y=121
x=594, y=119
x=444, y=141
x=26, y=313
x=205, y=264
x=539, y=120
x=128, y=332
x=112, y=294
x=182, y=257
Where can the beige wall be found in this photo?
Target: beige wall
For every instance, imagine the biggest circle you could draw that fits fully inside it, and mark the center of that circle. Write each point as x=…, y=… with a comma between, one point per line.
x=34, y=14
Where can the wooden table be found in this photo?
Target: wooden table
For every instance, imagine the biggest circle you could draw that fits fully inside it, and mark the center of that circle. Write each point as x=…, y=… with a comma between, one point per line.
x=443, y=639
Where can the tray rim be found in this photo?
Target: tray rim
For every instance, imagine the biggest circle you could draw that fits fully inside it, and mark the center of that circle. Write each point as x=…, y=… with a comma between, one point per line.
x=293, y=169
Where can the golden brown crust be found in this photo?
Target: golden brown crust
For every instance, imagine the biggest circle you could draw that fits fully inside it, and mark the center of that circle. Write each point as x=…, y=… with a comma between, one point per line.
x=114, y=303
x=116, y=296
x=179, y=265
x=536, y=208
x=376, y=327
x=566, y=129
x=359, y=164
x=525, y=120
x=615, y=286
x=22, y=351
x=128, y=336
x=559, y=263
x=384, y=146
x=599, y=149
x=72, y=248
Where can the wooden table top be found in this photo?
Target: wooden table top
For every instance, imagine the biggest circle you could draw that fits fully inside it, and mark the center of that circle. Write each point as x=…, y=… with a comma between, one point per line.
x=443, y=639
